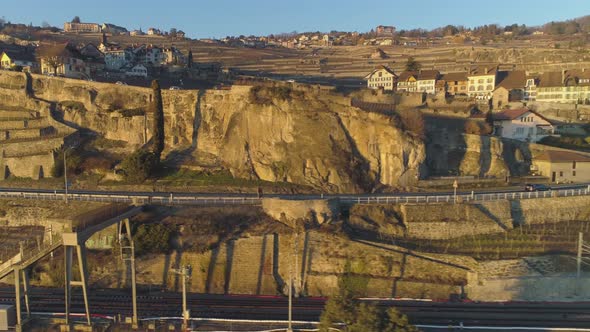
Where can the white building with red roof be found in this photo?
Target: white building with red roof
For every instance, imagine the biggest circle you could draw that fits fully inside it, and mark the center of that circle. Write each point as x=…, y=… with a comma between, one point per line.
x=522, y=124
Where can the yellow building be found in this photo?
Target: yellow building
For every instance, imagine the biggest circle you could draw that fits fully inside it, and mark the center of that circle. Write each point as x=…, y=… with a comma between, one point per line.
x=568, y=86
x=382, y=77
x=562, y=166
x=24, y=60
x=482, y=82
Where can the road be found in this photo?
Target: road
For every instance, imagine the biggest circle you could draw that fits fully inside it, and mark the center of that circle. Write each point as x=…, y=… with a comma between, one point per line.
x=187, y=198
x=166, y=304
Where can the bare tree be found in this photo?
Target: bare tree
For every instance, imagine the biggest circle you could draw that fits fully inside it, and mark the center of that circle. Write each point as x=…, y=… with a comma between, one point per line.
x=51, y=55
x=76, y=19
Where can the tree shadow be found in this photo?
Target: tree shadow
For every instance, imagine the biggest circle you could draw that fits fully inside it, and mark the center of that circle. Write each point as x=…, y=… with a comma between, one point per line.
x=166, y=270
x=211, y=269
x=261, y=265
x=177, y=261
x=485, y=155
x=402, y=271
x=445, y=145
x=280, y=282
x=490, y=215
x=229, y=257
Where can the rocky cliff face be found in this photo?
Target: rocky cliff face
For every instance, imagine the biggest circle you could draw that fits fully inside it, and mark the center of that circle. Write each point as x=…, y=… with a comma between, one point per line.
x=307, y=138
x=311, y=140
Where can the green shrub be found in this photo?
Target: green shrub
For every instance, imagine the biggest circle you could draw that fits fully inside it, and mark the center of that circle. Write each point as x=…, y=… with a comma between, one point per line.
x=139, y=166
x=152, y=238
x=73, y=159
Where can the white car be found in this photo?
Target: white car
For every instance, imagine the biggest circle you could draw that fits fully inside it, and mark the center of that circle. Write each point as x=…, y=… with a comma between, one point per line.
x=174, y=87
x=121, y=83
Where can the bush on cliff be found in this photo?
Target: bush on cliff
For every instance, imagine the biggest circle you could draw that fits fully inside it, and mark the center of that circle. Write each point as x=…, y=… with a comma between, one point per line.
x=412, y=121
x=73, y=160
x=152, y=238
x=263, y=95
x=139, y=166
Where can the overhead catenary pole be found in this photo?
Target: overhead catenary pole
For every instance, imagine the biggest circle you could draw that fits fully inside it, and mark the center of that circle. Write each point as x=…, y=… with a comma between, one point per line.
x=579, y=258
x=66, y=176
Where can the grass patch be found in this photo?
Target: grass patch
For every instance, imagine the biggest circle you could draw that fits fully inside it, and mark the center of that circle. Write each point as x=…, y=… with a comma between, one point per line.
x=568, y=142
x=529, y=240
x=184, y=177
x=132, y=112
x=71, y=105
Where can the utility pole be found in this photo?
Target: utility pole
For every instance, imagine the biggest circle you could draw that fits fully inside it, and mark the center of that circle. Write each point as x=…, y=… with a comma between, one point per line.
x=66, y=175
x=129, y=256
x=185, y=273
x=455, y=186
x=579, y=258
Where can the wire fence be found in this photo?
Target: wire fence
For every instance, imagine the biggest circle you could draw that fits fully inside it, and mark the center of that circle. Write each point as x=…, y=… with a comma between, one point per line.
x=196, y=199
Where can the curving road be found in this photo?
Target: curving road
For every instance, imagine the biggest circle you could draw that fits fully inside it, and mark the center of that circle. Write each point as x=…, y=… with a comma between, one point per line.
x=188, y=198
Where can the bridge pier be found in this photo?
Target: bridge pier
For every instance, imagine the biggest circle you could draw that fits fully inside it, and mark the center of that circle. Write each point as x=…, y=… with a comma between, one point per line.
x=71, y=242
x=21, y=274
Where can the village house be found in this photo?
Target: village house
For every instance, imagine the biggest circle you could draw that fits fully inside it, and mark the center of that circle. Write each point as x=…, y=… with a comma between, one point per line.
x=153, y=32
x=510, y=88
x=530, y=88
x=173, y=56
x=426, y=81
x=382, y=77
x=116, y=58
x=408, y=81
x=571, y=86
x=114, y=29
x=82, y=27
x=24, y=60
x=94, y=59
x=522, y=124
x=385, y=30
x=63, y=60
x=138, y=70
x=456, y=83
x=562, y=166
x=482, y=81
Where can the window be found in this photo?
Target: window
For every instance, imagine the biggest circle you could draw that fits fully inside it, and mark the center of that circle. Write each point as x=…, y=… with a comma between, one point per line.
x=519, y=131
x=480, y=80
x=574, y=164
x=489, y=80
x=573, y=173
x=489, y=87
x=560, y=173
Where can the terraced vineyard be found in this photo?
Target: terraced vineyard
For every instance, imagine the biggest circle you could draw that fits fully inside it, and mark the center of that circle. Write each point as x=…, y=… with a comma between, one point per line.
x=28, y=142
x=529, y=240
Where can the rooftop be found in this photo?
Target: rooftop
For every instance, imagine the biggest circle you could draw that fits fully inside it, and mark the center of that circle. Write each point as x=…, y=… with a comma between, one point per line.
x=556, y=156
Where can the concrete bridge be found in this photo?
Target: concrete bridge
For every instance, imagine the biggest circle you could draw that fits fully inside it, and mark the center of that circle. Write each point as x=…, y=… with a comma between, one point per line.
x=72, y=241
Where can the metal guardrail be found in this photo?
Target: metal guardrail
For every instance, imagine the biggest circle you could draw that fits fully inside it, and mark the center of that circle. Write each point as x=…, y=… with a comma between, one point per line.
x=246, y=200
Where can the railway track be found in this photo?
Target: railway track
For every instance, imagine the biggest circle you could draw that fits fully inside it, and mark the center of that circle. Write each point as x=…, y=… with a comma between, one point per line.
x=114, y=302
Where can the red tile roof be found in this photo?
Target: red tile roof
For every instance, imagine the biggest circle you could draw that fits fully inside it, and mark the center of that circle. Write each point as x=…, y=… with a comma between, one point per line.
x=512, y=114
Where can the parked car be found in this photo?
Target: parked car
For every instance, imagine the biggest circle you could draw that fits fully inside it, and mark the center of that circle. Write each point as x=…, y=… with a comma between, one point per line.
x=536, y=187
x=121, y=83
x=174, y=87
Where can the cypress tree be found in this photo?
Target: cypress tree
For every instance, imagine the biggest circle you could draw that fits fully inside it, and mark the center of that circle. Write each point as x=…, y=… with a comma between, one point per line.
x=190, y=59
x=158, y=111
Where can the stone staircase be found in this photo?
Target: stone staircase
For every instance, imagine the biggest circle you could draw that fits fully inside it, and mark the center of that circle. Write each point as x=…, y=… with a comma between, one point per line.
x=29, y=141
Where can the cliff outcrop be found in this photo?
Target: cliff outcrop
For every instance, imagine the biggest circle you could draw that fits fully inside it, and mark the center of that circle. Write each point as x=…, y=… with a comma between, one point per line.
x=288, y=134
